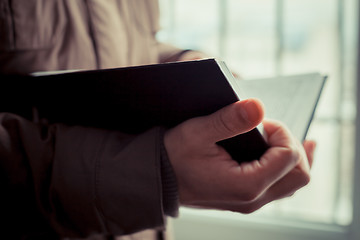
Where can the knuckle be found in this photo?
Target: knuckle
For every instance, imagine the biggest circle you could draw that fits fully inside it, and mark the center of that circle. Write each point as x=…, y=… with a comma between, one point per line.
x=249, y=196
x=292, y=153
x=222, y=125
x=251, y=193
x=305, y=178
x=250, y=208
x=291, y=194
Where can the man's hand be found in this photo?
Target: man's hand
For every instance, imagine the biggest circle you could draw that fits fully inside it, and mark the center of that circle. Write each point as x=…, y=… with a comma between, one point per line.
x=192, y=55
x=209, y=178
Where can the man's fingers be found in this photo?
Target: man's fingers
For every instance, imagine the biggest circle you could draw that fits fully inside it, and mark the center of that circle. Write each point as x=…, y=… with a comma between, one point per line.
x=309, y=147
x=232, y=120
x=282, y=156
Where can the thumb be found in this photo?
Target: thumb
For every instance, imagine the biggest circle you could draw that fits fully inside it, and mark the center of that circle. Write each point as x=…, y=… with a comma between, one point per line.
x=232, y=120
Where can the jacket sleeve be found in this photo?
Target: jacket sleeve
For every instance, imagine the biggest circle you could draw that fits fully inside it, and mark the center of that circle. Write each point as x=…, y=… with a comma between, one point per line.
x=81, y=180
x=169, y=53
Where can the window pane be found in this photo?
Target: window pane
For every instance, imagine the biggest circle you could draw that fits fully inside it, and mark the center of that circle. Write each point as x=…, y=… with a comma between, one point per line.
x=250, y=37
x=194, y=24
x=312, y=43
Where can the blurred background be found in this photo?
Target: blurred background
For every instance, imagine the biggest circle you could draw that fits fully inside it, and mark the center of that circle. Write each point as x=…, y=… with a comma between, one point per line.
x=267, y=38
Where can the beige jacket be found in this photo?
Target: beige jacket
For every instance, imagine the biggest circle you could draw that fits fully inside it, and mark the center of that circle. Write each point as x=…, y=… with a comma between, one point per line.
x=38, y=35
x=76, y=181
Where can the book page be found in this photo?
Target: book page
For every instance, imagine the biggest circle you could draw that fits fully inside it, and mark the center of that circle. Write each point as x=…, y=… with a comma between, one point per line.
x=291, y=100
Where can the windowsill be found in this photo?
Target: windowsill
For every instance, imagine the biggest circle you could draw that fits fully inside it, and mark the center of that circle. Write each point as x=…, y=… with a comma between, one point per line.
x=195, y=224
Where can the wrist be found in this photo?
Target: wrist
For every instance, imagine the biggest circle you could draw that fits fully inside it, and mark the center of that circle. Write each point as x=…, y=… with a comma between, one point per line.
x=170, y=195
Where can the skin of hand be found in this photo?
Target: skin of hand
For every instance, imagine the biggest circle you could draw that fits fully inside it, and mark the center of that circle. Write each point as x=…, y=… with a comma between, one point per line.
x=192, y=55
x=208, y=177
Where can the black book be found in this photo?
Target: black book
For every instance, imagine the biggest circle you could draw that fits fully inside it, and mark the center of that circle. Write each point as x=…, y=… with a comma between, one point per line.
x=134, y=99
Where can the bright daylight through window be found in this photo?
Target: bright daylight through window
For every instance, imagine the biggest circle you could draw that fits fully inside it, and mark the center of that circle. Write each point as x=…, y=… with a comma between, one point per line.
x=266, y=38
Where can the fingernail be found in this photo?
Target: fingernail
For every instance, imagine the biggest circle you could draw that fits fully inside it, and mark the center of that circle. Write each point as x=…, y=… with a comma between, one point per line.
x=251, y=111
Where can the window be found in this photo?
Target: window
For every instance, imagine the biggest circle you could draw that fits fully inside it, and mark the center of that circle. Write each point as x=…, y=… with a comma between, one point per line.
x=276, y=37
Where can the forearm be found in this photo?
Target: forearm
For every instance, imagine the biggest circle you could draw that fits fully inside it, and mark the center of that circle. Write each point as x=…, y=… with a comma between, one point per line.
x=83, y=180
